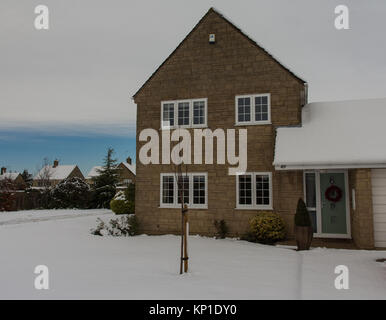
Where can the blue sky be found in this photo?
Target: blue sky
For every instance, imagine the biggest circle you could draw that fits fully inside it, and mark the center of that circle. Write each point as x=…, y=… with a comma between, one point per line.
x=26, y=149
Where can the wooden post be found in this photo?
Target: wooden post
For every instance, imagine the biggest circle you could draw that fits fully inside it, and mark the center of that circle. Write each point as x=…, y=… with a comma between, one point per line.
x=186, y=233
x=179, y=183
x=184, y=222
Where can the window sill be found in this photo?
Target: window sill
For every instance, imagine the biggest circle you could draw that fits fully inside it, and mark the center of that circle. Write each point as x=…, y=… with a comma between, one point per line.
x=262, y=123
x=179, y=207
x=203, y=126
x=260, y=208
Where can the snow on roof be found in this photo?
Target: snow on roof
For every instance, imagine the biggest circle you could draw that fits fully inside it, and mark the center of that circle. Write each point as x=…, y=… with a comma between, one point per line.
x=60, y=172
x=343, y=133
x=9, y=175
x=94, y=172
x=131, y=167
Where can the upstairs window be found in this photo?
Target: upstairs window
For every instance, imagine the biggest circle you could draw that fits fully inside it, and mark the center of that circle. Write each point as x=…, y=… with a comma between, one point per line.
x=261, y=108
x=168, y=115
x=184, y=114
x=253, y=109
x=244, y=109
x=199, y=112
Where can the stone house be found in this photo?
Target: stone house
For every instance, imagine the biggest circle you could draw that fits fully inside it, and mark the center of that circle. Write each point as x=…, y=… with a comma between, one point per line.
x=126, y=173
x=218, y=77
x=50, y=176
x=15, y=177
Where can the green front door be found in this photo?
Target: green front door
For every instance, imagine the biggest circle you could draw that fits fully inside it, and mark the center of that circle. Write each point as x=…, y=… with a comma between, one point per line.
x=333, y=204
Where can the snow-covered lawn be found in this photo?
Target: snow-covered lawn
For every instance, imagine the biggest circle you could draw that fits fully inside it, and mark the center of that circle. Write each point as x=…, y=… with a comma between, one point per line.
x=83, y=266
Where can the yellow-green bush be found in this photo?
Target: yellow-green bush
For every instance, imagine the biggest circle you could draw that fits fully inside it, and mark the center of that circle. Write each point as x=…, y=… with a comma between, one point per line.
x=120, y=206
x=266, y=227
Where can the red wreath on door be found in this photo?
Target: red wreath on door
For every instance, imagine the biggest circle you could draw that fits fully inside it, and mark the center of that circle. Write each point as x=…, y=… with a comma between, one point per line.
x=333, y=193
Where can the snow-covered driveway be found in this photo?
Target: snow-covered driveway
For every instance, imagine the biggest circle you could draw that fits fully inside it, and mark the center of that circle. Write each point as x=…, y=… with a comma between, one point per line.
x=83, y=266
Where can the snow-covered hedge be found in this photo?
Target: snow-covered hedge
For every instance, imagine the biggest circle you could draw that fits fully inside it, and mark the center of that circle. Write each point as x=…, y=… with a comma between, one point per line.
x=71, y=193
x=123, y=226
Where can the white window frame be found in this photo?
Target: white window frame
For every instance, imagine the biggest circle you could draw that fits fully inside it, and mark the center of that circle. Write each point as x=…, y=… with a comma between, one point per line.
x=175, y=203
x=252, y=112
x=254, y=206
x=190, y=125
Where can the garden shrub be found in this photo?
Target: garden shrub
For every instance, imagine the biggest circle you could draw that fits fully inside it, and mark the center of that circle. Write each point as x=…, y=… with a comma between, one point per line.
x=266, y=227
x=7, y=195
x=123, y=226
x=130, y=192
x=101, y=196
x=120, y=204
x=98, y=231
x=221, y=229
x=71, y=193
x=302, y=217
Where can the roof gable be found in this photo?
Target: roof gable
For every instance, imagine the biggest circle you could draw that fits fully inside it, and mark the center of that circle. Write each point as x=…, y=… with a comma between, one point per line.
x=128, y=166
x=213, y=11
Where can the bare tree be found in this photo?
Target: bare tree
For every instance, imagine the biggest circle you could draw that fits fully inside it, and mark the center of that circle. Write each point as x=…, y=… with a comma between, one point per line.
x=180, y=178
x=44, y=174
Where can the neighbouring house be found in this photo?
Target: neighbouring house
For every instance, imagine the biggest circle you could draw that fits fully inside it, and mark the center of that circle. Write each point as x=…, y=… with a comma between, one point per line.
x=94, y=172
x=126, y=173
x=15, y=177
x=330, y=154
x=50, y=176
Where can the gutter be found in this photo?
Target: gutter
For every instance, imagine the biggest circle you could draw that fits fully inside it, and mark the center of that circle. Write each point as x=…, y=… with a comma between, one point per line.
x=283, y=167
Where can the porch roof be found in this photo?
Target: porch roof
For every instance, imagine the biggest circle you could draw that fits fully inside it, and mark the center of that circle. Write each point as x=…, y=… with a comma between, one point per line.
x=342, y=134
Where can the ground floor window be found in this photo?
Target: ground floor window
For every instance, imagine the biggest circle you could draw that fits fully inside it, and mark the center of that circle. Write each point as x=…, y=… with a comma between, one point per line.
x=194, y=188
x=254, y=190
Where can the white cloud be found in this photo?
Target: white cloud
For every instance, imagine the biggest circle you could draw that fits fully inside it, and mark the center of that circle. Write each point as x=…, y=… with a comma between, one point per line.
x=82, y=72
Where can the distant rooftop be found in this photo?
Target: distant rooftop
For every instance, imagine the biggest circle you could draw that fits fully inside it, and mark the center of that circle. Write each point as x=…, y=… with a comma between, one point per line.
x=59, y=172
x=9, y=175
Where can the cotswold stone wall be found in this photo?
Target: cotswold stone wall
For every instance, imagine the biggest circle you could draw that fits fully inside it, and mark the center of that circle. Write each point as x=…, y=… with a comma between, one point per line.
x=362, y=225
x=232, y=66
